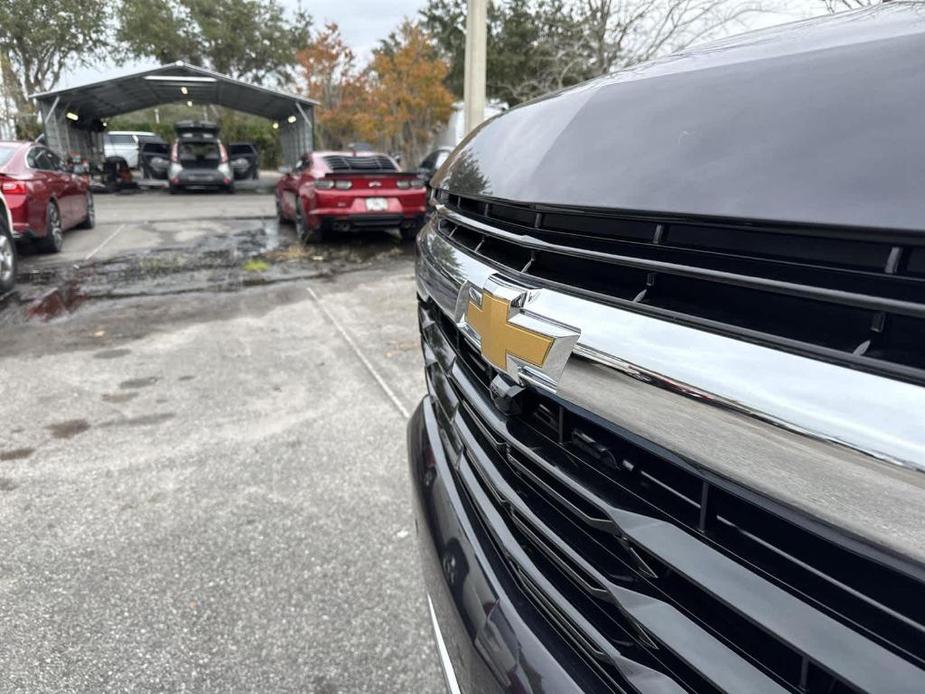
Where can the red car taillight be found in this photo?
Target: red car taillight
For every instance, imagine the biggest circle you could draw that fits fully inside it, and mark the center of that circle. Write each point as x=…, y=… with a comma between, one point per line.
x=13, y=188
x=404, y=184
x=327, y=184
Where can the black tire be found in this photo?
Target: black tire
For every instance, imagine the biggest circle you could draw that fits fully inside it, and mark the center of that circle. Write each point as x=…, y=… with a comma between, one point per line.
x=305, y=233
x=53, y=240
x=90, y=220
x=411, y=233
x=255, y=175
x=280, y=217
x=8, y=260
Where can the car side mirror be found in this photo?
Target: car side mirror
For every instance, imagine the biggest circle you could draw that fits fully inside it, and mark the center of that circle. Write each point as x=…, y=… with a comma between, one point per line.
x=285, y=170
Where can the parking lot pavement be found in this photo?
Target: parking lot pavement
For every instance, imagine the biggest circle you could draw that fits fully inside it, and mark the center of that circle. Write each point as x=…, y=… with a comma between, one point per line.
x=207, y=491
x=149, y=219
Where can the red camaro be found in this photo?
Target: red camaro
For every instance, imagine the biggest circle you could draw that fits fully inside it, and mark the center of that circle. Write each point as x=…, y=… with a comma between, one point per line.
x=45, y=199
x=346, y=191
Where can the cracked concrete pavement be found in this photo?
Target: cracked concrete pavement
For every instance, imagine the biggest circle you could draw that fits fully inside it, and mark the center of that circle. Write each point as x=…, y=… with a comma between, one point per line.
x=208, y=491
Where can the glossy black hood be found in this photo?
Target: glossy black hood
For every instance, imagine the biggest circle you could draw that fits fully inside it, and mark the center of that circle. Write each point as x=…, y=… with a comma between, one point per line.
x=819, y=122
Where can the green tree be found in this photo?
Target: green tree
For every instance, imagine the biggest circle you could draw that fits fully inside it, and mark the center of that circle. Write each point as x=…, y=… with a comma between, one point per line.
x=255, y=40
x=529, y=42
x=39, y=41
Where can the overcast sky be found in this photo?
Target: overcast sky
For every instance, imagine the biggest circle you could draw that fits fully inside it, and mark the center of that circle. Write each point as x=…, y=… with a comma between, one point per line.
x=364, y=22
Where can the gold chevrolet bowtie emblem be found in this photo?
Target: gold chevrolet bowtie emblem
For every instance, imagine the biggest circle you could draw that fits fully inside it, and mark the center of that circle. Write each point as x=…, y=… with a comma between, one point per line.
x=506, y=323
x=501, y=338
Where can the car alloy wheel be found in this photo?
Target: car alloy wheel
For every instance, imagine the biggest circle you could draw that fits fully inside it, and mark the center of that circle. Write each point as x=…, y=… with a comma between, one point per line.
x=7, y=261
x=54, y=233
x=305, y=233
x=90, y=219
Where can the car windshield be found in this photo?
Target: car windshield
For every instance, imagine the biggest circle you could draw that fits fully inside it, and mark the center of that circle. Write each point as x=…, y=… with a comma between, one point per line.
x=241, y=149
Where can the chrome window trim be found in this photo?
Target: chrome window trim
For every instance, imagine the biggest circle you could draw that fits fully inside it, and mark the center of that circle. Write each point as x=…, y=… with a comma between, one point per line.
x=843, y=445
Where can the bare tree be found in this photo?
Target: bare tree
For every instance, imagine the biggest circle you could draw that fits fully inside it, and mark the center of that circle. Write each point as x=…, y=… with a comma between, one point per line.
x=842, y=5
x=626, y=32
x=618, y=33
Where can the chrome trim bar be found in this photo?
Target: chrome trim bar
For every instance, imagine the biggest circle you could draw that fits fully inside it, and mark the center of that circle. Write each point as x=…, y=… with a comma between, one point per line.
x=845, y=446
x=449, y=673
x=863, y=301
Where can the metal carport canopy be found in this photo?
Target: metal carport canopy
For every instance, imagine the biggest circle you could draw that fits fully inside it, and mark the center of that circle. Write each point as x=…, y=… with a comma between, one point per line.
x=170, y=83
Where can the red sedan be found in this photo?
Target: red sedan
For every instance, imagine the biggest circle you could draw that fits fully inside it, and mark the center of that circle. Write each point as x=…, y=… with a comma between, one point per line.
x=45, y=199
x=330, y=192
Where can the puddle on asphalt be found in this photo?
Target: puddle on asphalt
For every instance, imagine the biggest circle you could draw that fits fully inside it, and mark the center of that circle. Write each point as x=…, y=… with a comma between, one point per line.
x=142, y=420
x=135, y=383
x=68, y=428
x=225, y=262
x=16, y=454
x=117, y=398
x=112, y=353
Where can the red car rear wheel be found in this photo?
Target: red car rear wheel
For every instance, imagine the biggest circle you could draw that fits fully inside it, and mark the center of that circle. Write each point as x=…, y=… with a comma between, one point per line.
x=53, y=240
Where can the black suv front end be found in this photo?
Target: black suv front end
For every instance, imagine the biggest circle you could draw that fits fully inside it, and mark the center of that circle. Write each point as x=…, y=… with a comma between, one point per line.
x=673, y=438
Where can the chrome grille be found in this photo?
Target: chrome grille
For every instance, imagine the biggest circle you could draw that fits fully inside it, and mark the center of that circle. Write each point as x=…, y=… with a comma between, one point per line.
x=642, y=559
x=847, y=296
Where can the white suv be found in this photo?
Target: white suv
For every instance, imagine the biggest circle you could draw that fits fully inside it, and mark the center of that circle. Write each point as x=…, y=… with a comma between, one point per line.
x=125, y=144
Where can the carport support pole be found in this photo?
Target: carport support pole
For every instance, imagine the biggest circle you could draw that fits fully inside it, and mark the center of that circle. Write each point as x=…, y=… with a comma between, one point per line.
x=476, y=49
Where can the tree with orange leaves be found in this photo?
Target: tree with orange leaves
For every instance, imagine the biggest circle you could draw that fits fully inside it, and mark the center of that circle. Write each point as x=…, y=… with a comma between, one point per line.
x=397, y=103
x=407, y=98
x=332, y=77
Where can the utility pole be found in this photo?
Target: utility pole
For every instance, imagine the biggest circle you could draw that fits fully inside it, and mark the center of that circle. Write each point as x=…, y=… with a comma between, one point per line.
x=476, y=49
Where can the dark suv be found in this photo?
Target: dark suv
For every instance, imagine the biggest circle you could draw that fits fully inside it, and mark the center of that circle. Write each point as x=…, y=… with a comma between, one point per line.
x=673, y=324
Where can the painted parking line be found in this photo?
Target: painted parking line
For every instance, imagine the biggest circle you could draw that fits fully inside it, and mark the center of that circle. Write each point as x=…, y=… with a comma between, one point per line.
x=390, y=394
x=107, y=240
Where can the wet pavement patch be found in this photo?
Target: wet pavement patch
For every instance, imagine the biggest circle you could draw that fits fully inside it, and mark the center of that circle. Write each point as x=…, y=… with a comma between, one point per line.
x=134, y=383
x=7, y=485
x=186, y=378
x=112, y=353
x=17, y=454
x=118, y=397
x=56, y=301
x=143, y=420
x=260, y=255
x=68, y=428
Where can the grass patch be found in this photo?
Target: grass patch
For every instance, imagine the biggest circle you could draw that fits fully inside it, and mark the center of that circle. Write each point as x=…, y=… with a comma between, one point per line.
x=256, y=265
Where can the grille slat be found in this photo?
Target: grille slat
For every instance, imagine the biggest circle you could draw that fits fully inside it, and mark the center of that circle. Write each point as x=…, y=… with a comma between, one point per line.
x=642, y=678
x=839, y=295
x=672, y=556
x=726, y=670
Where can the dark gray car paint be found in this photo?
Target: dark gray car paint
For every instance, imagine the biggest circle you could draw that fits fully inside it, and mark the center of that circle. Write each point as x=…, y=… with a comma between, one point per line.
x=817, y=122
